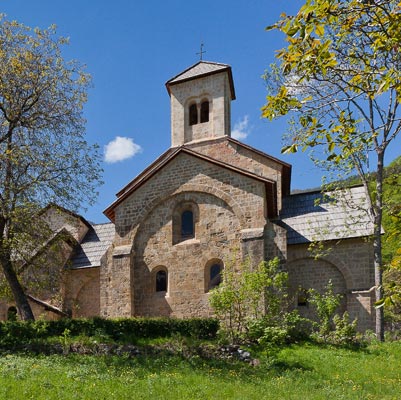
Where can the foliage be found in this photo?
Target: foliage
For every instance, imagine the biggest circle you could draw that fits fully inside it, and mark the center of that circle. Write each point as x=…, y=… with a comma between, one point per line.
x=344, y=330
x=43, y=153
x=325, y=305
x=392, y=289
x=331, y=327
x=17, y=333
x=340, y=78
x=285, y=328
x=341, y=62
x=392, y=213
x=248, y=293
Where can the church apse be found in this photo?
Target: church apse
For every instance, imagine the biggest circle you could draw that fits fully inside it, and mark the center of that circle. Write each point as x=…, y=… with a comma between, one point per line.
x=188, y=261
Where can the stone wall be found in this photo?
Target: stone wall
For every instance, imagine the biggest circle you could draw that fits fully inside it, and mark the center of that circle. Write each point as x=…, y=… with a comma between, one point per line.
x=187, y=173
x=227, y=202
x=59, y=219
x=214, y=88
x=217, y=234
x=244, y=158
x=82, y=292
x=348, y=264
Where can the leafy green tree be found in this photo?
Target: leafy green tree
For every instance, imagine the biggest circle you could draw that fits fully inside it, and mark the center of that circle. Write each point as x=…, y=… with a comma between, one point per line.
x=247, y=293
x=392, y=211
x=340, y=79
x=43, y=154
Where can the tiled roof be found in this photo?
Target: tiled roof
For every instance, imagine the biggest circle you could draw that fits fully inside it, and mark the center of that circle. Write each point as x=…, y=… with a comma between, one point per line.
x=94, y=245
x=308, y=217
x=200, y=68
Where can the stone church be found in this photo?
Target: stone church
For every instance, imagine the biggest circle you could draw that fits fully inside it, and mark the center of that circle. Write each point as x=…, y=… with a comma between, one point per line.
x=207, y=198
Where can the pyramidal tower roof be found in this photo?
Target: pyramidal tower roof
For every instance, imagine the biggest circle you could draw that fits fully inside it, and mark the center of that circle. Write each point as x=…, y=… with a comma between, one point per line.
x=199, y=70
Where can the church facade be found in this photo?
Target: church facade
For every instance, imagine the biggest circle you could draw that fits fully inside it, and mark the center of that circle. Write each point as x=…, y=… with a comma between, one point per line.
x=209, y=200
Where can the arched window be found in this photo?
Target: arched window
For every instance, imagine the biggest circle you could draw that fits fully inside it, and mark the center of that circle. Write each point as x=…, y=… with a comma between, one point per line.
x=161, y=281
x=204, y=114
x=215, y=276
x=185, y=218
x=187, y=225
x=193, y=114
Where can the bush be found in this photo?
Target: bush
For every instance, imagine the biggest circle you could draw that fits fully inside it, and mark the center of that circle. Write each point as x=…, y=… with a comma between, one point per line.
x=344, y=330
x=287, y=327
x=326, y=305
x=248, y=295
x=331, y=327
x=16, y=333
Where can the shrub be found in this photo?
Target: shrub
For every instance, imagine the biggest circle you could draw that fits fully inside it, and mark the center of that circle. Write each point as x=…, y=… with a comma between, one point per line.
x=332, y=328
x=287, y=327
x=344, y=330
x=249, y=296
x=16, y=333
x=326, y=305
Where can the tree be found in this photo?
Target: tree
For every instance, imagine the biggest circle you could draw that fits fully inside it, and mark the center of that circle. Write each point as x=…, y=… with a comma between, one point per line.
x=247, y=293
x=43, y=154
x=340, y=78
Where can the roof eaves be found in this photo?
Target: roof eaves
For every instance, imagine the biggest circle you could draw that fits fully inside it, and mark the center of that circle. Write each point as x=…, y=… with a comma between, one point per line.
x=287, y=168
x=140, y=179
x=146, y=170
x=226, y=68
x=162, y=161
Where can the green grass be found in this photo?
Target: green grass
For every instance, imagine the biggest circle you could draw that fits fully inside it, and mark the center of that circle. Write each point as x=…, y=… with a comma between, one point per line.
x=297, y=372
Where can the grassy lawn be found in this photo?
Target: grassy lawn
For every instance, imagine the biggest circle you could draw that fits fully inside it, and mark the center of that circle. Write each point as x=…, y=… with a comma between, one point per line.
x=297, y=372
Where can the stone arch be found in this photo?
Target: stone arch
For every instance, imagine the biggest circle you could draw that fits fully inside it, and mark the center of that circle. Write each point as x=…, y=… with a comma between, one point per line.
x=153, y=246
x=187, y=189
x=87, y=299
x=306, y=273
x=333, y=260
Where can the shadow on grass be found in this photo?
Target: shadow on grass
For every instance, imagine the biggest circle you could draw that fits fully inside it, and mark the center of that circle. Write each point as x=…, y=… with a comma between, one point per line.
x=228, y=369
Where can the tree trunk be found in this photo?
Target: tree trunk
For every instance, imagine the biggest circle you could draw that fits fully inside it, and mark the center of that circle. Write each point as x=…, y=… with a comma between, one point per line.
x=20, y=298
x=377, y=246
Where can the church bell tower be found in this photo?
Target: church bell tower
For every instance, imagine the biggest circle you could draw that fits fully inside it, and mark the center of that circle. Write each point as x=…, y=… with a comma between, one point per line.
x=201, y=103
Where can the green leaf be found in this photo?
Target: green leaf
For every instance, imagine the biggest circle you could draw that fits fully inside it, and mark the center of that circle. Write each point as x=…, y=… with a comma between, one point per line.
x=380, y=303
x=289, y=149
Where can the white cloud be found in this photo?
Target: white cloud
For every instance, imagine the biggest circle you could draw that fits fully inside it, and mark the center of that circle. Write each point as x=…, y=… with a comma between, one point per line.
x=241, y=129
x=119, y=149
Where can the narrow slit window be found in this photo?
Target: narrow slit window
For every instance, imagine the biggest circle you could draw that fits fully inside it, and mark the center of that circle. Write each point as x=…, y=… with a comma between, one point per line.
x=161, y=281
x=204, y=112
x=215, y=276
x=193, y=114
x=187, y=225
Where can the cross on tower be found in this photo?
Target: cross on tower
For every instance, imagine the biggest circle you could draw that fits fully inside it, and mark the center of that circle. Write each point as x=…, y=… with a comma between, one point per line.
x=201, y=51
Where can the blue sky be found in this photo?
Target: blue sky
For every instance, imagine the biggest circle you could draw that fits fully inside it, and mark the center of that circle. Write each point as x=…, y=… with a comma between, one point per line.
x=132, y=47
